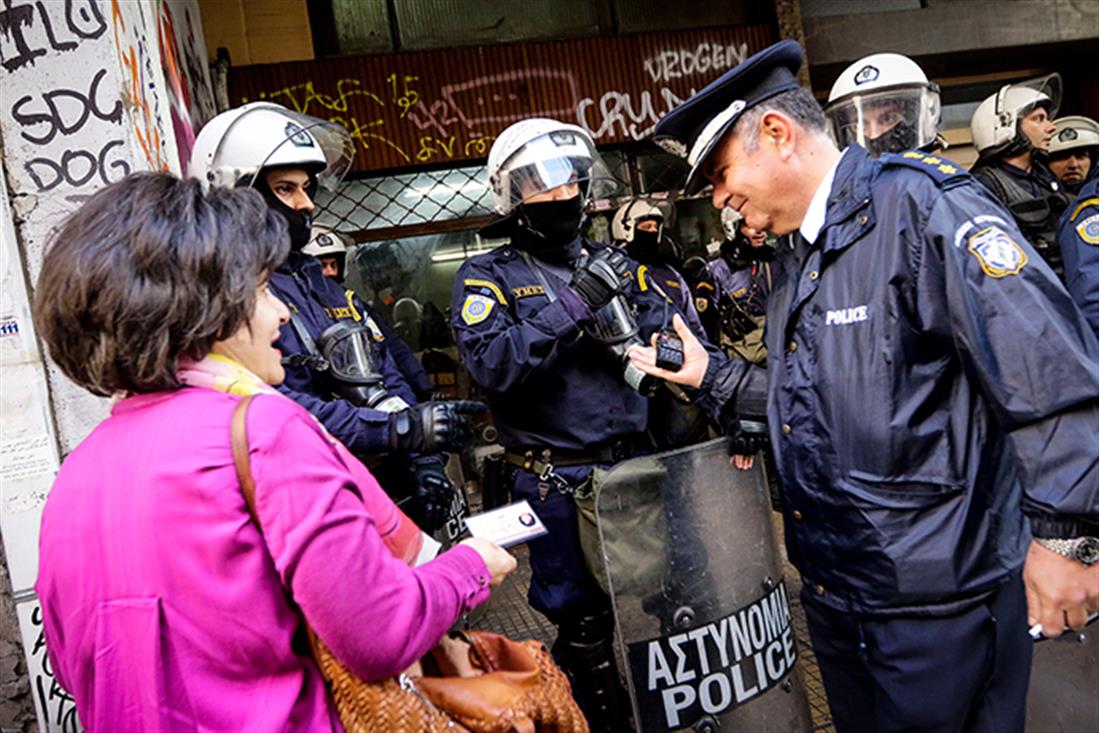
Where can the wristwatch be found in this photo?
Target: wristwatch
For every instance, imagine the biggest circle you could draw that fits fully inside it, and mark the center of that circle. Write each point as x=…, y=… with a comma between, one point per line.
x=1083, y=550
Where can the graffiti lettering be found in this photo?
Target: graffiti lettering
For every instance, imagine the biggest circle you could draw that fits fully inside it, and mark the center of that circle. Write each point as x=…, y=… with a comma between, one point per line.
x=65, y=111
x=301, y=97
x=706, y=57
x=82, y=18
x=76, y=168
x=617, y=113
x=138, y=74
x=58, y=705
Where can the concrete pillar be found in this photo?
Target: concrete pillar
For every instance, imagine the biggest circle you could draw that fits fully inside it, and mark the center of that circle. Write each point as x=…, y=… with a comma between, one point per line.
x=92, y=90
x=788, y=14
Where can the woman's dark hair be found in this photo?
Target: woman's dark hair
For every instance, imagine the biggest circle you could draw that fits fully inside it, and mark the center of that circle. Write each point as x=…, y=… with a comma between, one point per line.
x=148, y=271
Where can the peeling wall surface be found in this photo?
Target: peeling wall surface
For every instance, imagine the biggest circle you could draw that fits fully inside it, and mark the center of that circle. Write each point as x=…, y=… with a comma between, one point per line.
x=92, y=90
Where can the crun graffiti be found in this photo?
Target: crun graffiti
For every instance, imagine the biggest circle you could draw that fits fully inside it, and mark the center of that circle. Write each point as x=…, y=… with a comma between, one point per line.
x=27, y=31
x=622, y=114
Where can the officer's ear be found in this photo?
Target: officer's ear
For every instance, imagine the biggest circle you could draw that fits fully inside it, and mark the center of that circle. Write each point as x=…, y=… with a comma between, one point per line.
x=777, y=131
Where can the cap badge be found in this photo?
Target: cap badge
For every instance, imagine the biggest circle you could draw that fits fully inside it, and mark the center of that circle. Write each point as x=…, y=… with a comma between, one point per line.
x=867, y=74
x=298, y=136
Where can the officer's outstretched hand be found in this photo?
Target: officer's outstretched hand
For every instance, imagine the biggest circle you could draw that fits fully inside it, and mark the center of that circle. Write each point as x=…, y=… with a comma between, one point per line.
x=695, y=358
x=431, y=427
x=601, y=277
x=434, y=493
x=1059, y=592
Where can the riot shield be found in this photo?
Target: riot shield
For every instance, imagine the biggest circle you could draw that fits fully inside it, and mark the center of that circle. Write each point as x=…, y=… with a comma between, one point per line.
x=702, y=610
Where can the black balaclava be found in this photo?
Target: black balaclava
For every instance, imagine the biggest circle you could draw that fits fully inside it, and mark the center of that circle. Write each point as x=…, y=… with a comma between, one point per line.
x=645, y=246
x=741, y=253
x=548, y=229
x=298, y=223
x=902, y=136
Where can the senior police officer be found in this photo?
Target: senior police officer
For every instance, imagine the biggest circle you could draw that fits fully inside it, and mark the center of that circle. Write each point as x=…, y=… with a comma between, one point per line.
x=372, y=409
x=931, y=383
x=1078, y=236
x=535, y=322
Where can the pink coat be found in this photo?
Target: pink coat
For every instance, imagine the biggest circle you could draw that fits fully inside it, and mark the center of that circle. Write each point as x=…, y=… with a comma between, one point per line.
x=163, y=608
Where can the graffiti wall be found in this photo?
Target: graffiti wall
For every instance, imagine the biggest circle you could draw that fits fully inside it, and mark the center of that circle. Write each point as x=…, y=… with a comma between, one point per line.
x=92, y=90
x=433, y=107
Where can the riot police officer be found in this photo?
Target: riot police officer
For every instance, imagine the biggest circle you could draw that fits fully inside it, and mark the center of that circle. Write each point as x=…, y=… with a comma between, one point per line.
x=542, y=324
x=742, y=271
x=326, y=246
x=917, y=428
x=1078, y=236
x=1012, y=132
x=339, y=364
x=1074, y=151
x=885, y=103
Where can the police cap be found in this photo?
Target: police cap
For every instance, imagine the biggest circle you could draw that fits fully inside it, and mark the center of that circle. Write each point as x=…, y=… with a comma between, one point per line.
x=693, y=129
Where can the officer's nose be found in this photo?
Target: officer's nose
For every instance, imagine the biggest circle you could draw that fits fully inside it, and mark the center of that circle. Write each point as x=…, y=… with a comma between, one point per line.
x=302, y=202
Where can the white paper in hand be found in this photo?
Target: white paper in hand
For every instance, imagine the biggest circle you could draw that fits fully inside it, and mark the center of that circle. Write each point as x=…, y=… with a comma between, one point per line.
x=509, y=525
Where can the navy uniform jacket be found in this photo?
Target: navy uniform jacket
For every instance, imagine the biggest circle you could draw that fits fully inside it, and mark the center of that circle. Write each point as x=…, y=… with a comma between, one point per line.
x=707, y=296
x=1078, y=236
x=930, y=380
x=320, y=302
x=670, y=284
x=548, y=383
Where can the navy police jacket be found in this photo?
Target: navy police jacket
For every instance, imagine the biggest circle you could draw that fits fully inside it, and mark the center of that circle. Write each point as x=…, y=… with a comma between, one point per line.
x=319, y=302
x=930, y=380
x=1078, y=236
x=669, y=284
x=548, y=383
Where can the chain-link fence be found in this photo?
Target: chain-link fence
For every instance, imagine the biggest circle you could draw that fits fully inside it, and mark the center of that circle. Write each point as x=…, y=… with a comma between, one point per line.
x=410, y=203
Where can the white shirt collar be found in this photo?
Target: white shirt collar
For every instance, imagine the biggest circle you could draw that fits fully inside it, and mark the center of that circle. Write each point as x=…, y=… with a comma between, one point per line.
x=818, y=208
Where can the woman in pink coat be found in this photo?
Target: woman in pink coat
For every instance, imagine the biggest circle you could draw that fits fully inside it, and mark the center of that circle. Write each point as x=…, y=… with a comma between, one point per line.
x=164, y=606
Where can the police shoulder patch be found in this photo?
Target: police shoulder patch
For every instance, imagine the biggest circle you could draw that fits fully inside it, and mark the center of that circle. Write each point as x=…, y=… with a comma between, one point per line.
x=997, y=252
x=1088, y=229
x=476, y=308
x=701, y=304
x=941, y=169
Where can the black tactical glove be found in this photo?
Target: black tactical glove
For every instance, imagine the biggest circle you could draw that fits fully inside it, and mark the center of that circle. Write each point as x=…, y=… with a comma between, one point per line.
x=746, y=437
x=431, y=427
x=434, y=494
x=600, y=278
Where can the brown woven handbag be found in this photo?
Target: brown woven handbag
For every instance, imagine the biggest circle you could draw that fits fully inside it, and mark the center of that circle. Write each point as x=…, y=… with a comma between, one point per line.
x=521, y=688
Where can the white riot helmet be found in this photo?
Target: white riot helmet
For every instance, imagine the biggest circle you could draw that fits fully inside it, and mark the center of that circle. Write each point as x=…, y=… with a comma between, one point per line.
x=325, y=244
x=234, y=146
x=995, y=123
x=885, y=103
x=730, y=222
x=626, y=219
x=536, y=155
x=1074, y=132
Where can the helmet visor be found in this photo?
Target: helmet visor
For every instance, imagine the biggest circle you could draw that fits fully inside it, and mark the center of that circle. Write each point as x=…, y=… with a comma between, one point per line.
x=550, y=161
x=887, y=120
x=323, y=148
x=1046, y=93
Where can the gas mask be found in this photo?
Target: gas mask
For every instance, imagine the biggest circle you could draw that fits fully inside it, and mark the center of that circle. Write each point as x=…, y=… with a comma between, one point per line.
x=348, y=350
x=615, y=326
